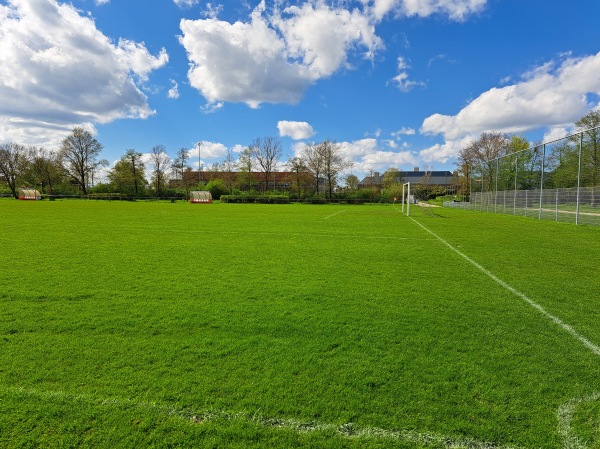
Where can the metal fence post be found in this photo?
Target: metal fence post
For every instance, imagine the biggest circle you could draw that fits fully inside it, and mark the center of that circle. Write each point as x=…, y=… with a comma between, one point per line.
x=496, y=193
x=542, y=180
x=579, y=177
x=556, y=205
x=516, y=178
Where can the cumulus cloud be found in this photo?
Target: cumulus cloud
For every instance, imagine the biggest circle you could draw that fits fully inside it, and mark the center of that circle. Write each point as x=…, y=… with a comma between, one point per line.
x=273, y=59
x=457, y=10
x=552, y=95
x=208, y=150
x=57, y=71
x=295, y=130
x=241, y=62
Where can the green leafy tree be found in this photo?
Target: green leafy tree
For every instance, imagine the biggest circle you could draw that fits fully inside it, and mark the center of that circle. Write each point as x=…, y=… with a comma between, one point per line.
x=245, y=165
x=589, y=126
x=352, y=182
x=391, y=177
x=128, y=174
x=45, y=169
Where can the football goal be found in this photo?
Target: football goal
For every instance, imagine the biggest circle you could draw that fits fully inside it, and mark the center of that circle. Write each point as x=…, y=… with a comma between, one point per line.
x=406, y=197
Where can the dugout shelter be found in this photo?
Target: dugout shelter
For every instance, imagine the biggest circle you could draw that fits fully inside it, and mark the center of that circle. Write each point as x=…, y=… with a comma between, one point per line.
x=29, y=194
x=200, y=197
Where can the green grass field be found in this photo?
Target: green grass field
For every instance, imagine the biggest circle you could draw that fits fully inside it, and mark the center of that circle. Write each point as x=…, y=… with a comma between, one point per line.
x=253, y=326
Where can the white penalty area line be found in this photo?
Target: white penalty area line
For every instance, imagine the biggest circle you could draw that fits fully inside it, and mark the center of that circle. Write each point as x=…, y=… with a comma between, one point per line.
x=565, y=417
x=348, y=430
x=300, y=234
x=588, y=344
x=333, y=215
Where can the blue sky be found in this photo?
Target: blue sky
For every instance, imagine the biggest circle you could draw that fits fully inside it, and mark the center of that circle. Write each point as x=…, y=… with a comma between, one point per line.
x=397, y=83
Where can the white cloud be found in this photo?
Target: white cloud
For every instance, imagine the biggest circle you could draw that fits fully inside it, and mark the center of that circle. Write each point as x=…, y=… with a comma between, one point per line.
x=552, y=95
x=208, y=150
x=444, y=152
x=186, y=3
x=401, y=80
x=320, y=36
x=556, y=133
x=102, y=2
x=457, y=10
x=174, y=90
x=57, y=71
x=241, y=62
x=273, y=59
x=295, y=130
x=212, y=10
x=546, y=97
x=210, y=108
x=403, y=131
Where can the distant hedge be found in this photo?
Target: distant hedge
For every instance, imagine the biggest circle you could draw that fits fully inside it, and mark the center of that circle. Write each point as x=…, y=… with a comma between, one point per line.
x=271, y=199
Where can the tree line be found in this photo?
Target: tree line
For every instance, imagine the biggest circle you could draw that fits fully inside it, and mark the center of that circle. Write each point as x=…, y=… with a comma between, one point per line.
x=315, y=171
x=72, y=169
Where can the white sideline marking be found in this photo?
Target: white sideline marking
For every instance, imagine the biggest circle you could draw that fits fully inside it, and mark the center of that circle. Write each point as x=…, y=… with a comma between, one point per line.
x=333, y=215
x=348, y=430
x=588, y=344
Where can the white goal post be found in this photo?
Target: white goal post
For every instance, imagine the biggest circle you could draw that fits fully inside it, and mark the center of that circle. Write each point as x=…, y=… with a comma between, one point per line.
x=406, y=197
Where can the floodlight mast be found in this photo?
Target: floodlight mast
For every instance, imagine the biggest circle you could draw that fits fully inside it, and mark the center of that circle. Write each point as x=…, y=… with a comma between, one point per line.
x=199, y=164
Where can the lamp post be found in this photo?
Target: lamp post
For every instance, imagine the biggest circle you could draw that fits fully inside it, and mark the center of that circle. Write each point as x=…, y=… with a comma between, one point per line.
x=199, y=164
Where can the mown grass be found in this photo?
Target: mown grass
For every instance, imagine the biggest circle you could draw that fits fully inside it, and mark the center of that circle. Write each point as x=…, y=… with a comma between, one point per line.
x=136, y=324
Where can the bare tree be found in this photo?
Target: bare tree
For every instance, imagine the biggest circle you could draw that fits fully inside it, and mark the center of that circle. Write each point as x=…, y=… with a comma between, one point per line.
x=160, y=162
x=297, y=165
x=228, y=169
x=79, y=154
x=333, y=163
x=313, y=159
x=267, y=152
x=136, y=165
x=480, y=156
x=180, y=166
x=13, y=163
